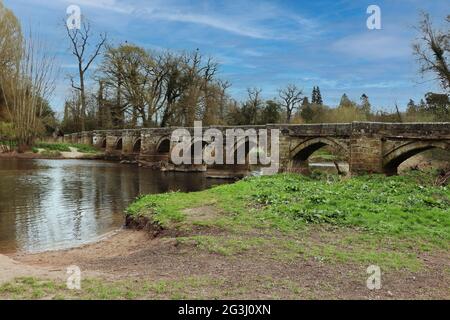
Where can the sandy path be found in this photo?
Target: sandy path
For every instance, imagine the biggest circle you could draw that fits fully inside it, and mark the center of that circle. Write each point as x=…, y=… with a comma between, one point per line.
x=11, y=269
x=119, y=244
x=136, y=255
x=73, y=154
x=53, y=264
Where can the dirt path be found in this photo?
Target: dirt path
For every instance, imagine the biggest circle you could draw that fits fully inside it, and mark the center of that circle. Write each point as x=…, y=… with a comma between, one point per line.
x=11, y=269
x=134, y=255
x=53, y=264
x=73, y=154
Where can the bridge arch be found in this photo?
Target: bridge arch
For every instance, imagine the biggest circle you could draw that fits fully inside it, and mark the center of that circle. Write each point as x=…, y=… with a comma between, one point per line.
x=103, y=143
x=119, y=144
x=163, y=145
x=395, y=157
x=137, y=145
x=306, y=148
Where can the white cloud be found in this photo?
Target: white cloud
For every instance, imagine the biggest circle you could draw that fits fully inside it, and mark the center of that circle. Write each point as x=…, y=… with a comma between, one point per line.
x=253, y=20
x=373, y=45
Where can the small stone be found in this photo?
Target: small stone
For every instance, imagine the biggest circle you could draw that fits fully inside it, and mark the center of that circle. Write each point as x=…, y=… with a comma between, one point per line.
x=390, y=293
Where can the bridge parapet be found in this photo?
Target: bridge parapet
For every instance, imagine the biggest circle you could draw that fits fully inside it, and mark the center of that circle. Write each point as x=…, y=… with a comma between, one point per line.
x=421, y=130
x=327, y=129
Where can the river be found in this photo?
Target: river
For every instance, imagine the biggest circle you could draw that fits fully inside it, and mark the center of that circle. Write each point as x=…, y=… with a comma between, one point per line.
x=58, y=204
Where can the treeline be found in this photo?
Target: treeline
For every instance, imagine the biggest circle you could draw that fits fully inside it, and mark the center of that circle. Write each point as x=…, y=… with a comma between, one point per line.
x=143, y=88
x=435, y=107
x=136, y=87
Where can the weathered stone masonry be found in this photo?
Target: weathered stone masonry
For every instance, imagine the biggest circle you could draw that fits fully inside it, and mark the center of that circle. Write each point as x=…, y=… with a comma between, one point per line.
x=369, y=147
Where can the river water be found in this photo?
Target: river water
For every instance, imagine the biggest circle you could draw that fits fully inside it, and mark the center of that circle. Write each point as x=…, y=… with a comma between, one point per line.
x=57, y=204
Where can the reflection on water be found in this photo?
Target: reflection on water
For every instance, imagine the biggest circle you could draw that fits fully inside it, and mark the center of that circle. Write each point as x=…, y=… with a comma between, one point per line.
x=53, y=204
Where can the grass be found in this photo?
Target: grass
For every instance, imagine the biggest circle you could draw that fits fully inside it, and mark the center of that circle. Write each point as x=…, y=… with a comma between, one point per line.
x=29, y=288
x=201, y=287
x=324, y=155
x=97, y=289
x=401, y=206
x=65, y=147
x=383, y=220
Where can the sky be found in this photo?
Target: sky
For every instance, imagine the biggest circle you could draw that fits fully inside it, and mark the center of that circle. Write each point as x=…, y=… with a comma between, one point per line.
x=263, y=44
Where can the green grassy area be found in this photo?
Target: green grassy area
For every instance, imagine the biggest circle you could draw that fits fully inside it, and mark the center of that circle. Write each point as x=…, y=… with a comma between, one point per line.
x=201, y=287
x=65, y=147
x=378, y=219
x=97, y=289
x=324, y=155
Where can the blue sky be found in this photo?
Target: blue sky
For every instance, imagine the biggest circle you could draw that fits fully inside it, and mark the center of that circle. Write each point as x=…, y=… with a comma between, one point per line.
x=264, y=44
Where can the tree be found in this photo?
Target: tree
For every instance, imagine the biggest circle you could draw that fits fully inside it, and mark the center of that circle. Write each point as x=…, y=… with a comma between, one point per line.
x=271, y=112
x=251, y=108
x=10, y=49
x=148, y=88
x=365, y=105
x=291, y=97
x=411, y=106
x=346, y=102
x=79, y=40
x=125, y=70
x=27, y=89
x=316, y=96
x=433, y=50
x=10, y=40
x=438, y=105
x=306, y=111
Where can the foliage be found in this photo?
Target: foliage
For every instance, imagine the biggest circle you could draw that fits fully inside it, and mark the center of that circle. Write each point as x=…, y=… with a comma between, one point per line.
x=65, y=147
x=405, y=207
x=433, y=51
x=25, y=81
x=316, y=97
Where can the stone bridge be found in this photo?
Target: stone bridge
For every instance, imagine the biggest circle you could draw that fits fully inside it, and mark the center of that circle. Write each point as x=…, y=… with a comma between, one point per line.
x=368, y=147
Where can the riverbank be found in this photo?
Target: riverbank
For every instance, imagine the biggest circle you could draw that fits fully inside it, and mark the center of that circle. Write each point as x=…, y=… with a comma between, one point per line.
x=56, y=151
x=277, y=237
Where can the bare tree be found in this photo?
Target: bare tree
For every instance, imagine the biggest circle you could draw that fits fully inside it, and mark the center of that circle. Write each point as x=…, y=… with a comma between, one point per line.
x=251, y=107
x=433, y=49
x=291, y=97
x=27, y=90
x=79, y=39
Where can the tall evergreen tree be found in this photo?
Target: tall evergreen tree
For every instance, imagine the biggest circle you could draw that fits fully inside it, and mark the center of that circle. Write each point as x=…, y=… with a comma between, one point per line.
x=314, y=95
x=319, y=100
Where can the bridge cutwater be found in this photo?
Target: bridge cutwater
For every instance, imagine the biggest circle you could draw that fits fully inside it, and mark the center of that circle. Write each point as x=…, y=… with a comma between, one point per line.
x=369, y=147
